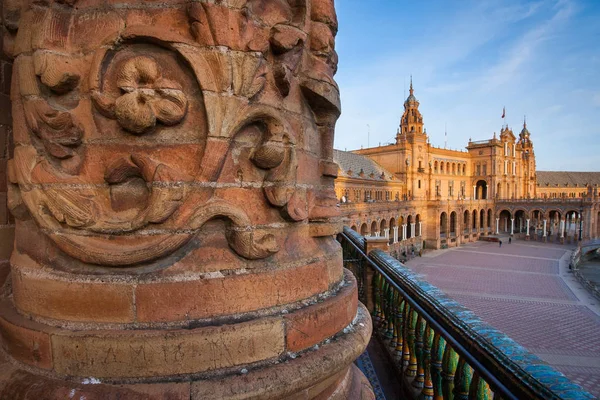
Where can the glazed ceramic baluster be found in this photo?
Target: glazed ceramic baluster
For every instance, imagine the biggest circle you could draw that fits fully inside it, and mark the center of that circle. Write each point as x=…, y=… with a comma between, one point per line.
x=411, y=369
x=389, y=315
x=449, y=364
x=362, y=279
x=480, y=390
x=437, y=357
x=383, y=300
x=406, y=351
x=400, y=326
x=377, y=299
x=462, y=380
x=419, y=337
x=393, y=317
x=427, y=392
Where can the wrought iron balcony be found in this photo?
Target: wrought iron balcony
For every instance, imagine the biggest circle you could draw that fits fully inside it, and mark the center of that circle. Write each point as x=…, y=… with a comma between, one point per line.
x=440, y=349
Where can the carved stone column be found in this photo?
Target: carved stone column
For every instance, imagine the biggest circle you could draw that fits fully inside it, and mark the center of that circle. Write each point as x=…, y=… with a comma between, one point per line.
x=172, y=182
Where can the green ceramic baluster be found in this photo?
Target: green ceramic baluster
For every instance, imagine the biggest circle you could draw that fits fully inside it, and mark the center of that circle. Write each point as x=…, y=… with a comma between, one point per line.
x=480, y=390
x=427, y=392
x=389, y=332
x=400, y=326
x=405, y=330
x=437, y=356
x=462, y=380
x=377, y=295
x=411, y=369
x=395, y=306
x=449, y=364
x=419, y=337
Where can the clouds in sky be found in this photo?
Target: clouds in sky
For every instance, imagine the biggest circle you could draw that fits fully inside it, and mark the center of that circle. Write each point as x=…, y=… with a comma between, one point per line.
x=469, y=59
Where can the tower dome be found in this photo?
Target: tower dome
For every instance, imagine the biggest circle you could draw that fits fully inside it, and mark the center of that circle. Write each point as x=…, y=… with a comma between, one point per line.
x=525, y=136
x=411, y=99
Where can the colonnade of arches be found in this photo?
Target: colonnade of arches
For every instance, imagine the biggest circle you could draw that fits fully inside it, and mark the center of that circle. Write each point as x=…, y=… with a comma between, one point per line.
x=554, y=223
x=471, y=221
x=395, y=229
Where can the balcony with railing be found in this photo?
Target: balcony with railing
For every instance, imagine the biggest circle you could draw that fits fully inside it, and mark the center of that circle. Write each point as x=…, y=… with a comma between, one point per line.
x=437, y=348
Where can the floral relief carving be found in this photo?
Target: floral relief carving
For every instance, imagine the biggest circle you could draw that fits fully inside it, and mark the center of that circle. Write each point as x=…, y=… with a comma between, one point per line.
x=138, y=146
x=147, y=97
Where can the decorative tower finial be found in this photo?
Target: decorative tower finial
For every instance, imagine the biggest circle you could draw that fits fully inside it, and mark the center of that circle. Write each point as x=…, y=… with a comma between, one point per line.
x=524, y=121
x=411, y=86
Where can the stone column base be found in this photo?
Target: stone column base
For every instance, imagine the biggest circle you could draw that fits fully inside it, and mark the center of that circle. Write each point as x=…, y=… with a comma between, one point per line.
x=527, y=237
x=325, y=371
x=304, y=352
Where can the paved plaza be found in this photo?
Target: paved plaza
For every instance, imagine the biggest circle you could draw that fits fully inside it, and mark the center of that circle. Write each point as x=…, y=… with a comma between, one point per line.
x=525, y=290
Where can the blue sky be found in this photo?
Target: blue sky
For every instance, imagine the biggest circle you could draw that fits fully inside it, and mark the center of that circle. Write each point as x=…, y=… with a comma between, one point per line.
x=469, y=59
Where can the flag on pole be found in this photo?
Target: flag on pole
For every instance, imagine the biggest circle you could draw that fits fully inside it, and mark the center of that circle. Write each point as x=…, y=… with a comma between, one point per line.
x=503, y=112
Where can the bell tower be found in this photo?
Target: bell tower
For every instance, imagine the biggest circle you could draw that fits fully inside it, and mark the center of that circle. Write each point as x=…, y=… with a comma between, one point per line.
x=412, y=141
x=411, y=123
x=528, y=162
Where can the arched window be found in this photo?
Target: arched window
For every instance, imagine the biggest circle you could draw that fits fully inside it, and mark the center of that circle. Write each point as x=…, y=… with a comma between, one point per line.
x=364, y=231
x=443, y=224
x=453, y=223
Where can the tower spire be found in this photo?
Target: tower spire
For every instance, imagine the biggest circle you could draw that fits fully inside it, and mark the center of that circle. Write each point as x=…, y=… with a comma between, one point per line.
x=411, y=86
x=524, y=121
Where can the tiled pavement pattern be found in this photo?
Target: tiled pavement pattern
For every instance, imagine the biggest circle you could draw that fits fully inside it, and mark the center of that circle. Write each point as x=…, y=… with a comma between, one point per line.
x=491, y=281
x=518, y=289
x=473, y=257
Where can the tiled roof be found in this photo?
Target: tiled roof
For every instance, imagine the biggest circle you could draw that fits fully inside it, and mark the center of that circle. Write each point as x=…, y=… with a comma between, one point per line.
x=355, y=162
x=564, y=178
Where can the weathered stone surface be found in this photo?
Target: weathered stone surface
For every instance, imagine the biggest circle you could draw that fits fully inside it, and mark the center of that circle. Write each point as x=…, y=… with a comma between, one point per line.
x=24, y=340
x=314, y=324
x=204, y=298
x=154, y=92
x=172, y=184
x=46, y=295
x=163, y=353
x=302, y=376
x=26, y=386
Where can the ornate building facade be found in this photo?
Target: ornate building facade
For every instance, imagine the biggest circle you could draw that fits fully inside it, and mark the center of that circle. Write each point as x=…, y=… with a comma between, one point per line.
x=417, y=194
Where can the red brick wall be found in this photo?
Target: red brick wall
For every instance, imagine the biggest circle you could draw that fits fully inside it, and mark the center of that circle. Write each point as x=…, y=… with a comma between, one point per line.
x=6, y=147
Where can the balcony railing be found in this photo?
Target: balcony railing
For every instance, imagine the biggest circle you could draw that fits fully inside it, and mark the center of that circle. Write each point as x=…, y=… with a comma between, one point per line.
x=440, y=349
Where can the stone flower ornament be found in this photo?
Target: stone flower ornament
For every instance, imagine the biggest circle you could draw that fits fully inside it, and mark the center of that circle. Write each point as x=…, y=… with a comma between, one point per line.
x=147, y=97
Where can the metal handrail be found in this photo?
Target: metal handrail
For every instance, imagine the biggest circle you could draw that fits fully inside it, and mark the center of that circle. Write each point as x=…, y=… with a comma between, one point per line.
x=507, y=383
x=486, y=374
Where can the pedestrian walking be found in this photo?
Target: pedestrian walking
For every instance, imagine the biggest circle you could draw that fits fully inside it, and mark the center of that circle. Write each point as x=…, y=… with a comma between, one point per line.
x=500, y=243
x=509, y=240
